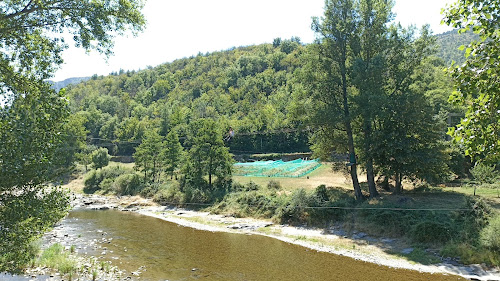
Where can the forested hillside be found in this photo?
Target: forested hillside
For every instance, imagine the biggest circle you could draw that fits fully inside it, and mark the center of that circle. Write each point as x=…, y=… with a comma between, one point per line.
x=248, y=89
x=448, y=45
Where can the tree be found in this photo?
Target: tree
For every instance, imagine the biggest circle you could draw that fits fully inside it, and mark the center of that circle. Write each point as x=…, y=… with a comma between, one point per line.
x=172, y=153
x=30, y=48
x=147, y=155
x=100, y=158
x=478, y=86
x=30, y=134
x=408, y=133
x=208, y=156
x=74, y=134
x=85, y=155
x=330, y=84
x=368, y=74
x=33, y=116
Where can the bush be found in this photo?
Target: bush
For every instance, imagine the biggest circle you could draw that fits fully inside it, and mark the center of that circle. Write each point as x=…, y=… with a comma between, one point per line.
x=297, y=210
x=128, y=184
x=490, y=235
x=91, y=182
x=249, y=200
x=273, y=185
x=100, y=158
x=102, y=179
x=430, y=232
x=169, y=193
x=470, y=254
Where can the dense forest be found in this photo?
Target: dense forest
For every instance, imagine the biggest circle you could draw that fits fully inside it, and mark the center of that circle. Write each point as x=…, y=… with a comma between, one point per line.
x=247, y=88
x=250, y=89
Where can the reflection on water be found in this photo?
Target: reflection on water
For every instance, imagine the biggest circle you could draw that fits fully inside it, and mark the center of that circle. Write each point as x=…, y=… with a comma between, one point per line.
x=172, y=252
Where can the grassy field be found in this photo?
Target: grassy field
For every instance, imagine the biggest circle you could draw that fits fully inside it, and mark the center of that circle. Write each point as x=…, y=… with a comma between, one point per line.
x=489, y=194
x=322, y=175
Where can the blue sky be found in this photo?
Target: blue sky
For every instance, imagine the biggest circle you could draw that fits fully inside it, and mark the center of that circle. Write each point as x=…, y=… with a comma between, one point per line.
x=178, y=29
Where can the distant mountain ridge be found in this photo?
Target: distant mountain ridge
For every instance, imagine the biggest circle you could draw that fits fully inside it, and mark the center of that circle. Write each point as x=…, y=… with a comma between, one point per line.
x=63, y=84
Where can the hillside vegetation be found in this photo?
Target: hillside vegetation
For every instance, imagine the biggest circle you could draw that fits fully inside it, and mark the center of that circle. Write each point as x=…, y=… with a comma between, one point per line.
x=248, y=88
x=448, y=46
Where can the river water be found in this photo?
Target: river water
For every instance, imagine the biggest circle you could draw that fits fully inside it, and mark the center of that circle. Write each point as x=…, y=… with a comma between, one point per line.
x=162, y=250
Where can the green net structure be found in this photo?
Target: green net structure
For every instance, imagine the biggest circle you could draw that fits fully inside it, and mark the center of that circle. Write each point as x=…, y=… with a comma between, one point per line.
x=292, y=169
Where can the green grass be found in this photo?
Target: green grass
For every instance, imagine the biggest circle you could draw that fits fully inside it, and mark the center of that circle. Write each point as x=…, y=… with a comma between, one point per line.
x=419, y=255
x=56, y=258
x=488, y=192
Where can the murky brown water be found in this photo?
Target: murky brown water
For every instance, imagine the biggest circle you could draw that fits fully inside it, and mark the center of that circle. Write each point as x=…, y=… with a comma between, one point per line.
x=172, y=252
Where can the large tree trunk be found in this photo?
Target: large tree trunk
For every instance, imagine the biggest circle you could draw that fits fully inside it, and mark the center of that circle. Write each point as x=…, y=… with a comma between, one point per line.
x=399, y=187
x=372, y=188
x=352, y=154
x=370, y=175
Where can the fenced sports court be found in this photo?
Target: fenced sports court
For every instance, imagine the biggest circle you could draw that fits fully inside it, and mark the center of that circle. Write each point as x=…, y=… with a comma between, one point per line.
x=279, y=168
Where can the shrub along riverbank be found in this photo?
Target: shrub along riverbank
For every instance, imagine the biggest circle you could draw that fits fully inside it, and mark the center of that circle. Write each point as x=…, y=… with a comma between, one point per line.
x=456, y=224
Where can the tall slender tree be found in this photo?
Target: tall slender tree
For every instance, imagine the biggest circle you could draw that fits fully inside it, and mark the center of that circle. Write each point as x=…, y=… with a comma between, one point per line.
x=208, y=157
x=172, y=153
x=337, y=35
x=368, y=74
x=147, y=155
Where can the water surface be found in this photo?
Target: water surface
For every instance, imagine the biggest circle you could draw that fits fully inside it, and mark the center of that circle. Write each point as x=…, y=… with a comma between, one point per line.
x=168, y=251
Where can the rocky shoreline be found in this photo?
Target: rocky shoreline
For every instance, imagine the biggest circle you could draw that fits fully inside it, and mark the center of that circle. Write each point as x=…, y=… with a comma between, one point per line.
x=357, y=245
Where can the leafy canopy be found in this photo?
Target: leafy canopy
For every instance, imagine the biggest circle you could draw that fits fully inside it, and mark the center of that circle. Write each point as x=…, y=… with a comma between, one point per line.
x=34, y=123
x=31, y=33
x=478, y=86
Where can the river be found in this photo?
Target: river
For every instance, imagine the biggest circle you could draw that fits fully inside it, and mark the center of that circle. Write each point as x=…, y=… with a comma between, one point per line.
x=162, y=250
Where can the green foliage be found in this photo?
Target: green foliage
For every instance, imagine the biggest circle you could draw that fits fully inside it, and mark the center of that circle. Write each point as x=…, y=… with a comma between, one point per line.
x=326, y=96
x=249, y=200
x=247, y=88
x=102, y=179
x=483, y=173
x=470, y=254
x=57, y=258
x=208, y=157
x=128, y=184
x=31, y=134
x=85, y=155
x=431, y=232
x=24, y=217
x=147, y=155
x=449, y=43
x=476, y=80
x=38, y=141
x=100, y=158
x=170, y=193
x=490, y=235
x=172, y=153
x=31, y=34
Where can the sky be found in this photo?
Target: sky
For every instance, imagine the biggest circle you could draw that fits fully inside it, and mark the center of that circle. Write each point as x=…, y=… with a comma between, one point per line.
x=178, y=29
